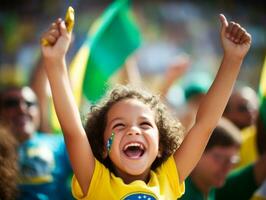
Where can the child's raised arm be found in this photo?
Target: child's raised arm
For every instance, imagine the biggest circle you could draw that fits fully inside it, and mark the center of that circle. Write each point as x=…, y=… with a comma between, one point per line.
x=80, y=153
x=236, y=42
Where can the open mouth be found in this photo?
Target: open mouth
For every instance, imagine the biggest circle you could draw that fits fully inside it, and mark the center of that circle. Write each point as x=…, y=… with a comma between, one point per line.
x=134, y=150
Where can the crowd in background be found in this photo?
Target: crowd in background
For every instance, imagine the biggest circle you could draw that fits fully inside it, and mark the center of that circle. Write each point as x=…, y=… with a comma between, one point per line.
x=168, y=28
x=175, y=59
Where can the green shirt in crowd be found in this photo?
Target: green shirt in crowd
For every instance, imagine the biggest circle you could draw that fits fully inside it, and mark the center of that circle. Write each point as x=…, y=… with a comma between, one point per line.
x=240, y=184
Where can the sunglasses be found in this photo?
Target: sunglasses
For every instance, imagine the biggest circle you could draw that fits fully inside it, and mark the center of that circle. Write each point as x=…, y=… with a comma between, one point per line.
x=243, y=108
x=16, y=102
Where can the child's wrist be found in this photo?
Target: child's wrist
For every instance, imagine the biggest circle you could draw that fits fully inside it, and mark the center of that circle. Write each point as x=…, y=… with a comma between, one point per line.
x=233, y=59
x=55, y=61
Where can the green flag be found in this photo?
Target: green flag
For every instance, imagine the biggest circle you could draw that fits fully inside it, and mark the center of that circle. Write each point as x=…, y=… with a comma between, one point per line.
x=115, y=38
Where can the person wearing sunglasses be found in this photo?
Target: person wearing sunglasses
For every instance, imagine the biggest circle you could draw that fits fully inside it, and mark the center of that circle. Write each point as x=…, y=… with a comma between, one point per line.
x=242, y=107
x=211, y=180
x=44, y=168
x=242, y=110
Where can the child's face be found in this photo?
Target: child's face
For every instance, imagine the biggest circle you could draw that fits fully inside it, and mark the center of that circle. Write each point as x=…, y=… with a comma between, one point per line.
x=136, y=138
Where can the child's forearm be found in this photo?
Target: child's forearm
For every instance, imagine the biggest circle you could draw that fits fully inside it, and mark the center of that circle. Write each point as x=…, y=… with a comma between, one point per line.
x=209, y=112
x=236, y=42
x=80, y=153
x=63, y=99
x=213, y=104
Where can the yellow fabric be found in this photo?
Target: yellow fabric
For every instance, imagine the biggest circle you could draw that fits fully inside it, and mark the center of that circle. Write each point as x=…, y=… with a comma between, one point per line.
x=37, y=180
x=248, y=150
x=258, y=198
x=77, y=71
x=263, y=79
x=164, y=185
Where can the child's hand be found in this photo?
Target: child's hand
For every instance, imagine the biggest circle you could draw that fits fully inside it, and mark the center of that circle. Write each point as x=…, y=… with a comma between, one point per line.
x=57, y=40
x=236, y=40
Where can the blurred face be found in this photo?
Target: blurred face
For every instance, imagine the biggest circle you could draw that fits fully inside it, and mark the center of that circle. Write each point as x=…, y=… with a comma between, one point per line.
x=214, y=166
x=135, y=141
x=243, y=109
x=19, y=109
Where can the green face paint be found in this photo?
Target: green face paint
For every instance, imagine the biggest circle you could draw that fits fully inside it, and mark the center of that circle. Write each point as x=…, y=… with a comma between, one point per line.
x=110, y=142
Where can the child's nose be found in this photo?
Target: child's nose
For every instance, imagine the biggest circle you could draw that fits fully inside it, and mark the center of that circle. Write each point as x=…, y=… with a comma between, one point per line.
x=133, y=130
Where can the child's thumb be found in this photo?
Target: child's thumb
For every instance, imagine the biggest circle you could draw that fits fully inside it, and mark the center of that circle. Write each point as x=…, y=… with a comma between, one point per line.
x=224, y=23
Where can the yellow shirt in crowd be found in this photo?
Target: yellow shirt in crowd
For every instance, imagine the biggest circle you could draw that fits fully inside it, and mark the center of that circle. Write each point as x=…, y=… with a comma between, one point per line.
x=248, y=150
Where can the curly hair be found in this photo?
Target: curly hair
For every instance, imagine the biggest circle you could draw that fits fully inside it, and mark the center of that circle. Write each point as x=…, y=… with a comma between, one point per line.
x=8, y=166
x=170, y=130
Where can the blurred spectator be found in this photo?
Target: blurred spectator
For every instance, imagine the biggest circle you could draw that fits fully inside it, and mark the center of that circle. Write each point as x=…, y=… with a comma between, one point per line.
x=8, y=165
x=195, y=87
x=44, y=168
x=177, y=68
x=209, y=179
x=242, y=107
x=242, y=110
x=40, y=86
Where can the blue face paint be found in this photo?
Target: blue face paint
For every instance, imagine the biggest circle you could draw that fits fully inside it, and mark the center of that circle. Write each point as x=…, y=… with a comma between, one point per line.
x=110, y=142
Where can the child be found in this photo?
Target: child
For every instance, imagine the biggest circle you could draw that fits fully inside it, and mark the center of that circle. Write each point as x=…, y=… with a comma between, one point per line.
x=129, y=148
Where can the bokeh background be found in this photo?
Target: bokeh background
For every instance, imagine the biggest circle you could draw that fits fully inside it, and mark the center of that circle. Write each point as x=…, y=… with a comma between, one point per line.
x=169, y=28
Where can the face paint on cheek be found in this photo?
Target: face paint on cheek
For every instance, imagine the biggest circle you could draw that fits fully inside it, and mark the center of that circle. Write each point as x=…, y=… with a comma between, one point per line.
x=110, y=142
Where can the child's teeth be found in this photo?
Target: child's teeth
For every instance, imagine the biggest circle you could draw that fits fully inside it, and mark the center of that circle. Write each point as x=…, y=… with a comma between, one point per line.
x=134, y=145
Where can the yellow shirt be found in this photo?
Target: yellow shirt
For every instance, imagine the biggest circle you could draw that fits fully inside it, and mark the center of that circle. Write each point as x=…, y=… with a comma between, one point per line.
x=163, y=185
x=248, y=150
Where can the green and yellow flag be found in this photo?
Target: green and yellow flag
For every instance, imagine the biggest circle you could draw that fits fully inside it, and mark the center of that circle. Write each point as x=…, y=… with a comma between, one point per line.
x=262, y=93
x=111, y=40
